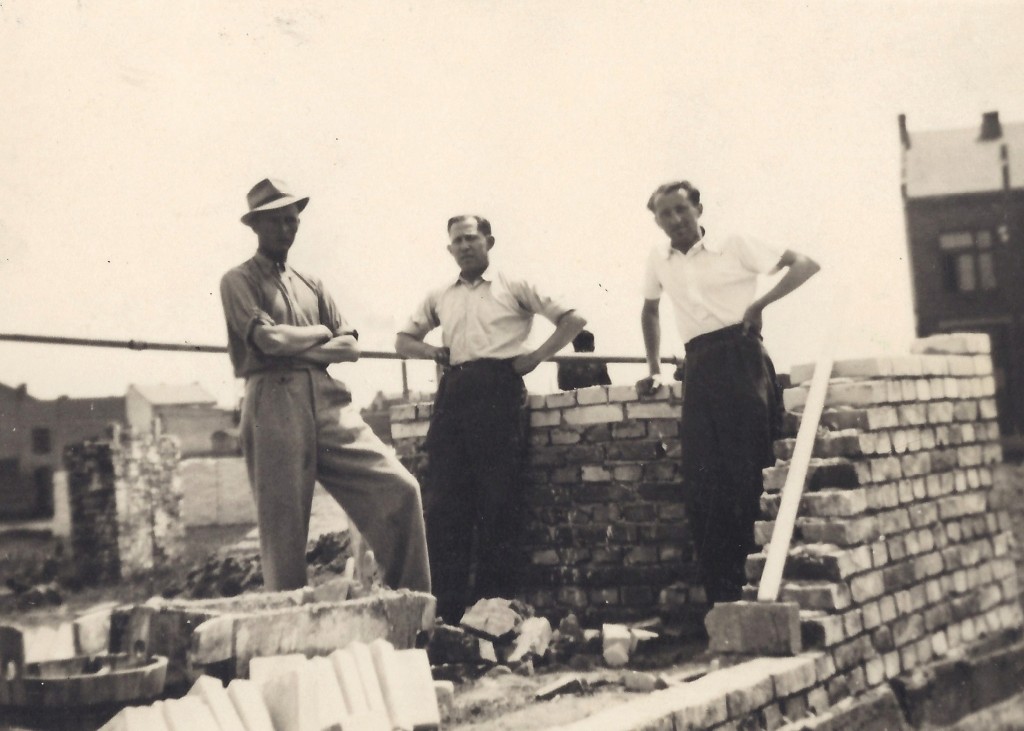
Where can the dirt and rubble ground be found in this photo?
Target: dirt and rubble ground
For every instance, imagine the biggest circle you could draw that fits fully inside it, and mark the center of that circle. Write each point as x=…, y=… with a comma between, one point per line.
x=496, y=700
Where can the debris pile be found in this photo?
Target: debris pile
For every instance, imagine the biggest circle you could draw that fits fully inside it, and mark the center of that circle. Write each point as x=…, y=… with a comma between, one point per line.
x=501, y=636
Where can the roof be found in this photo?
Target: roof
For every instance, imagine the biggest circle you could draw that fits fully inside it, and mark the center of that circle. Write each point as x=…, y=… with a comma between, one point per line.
x=165, y=394
x=955, y=161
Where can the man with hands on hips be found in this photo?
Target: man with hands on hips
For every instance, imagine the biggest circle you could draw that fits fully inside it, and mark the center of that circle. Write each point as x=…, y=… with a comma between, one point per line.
x=473, y=494
x=731, y=404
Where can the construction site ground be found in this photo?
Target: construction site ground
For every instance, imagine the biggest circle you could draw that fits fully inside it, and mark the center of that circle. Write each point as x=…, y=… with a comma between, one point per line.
x=502, y=701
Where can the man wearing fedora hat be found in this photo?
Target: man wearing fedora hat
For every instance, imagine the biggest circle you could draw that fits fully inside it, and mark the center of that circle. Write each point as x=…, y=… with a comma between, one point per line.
x=298, y=424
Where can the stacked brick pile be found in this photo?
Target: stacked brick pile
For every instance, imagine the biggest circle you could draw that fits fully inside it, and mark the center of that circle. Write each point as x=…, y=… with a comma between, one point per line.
x=125, y=497
x=898, y=559
x=606, y=525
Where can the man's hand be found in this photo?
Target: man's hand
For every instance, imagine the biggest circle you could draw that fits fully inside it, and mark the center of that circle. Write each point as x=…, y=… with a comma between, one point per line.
x=647, y=386
x=752, y=321
x=441, y=355
x=525, y=363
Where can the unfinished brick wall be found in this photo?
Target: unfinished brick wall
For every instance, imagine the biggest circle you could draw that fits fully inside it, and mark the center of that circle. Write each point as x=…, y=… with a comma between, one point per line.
x=899, y=558
x=125, y=505
x=606, y=524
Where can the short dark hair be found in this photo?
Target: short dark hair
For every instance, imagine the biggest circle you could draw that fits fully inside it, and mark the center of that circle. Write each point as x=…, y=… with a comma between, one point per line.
x=691, y=192
x=482, y=224
x=584, y=341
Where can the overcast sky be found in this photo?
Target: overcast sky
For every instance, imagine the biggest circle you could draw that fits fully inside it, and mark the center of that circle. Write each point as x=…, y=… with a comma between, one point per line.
x=131, y=132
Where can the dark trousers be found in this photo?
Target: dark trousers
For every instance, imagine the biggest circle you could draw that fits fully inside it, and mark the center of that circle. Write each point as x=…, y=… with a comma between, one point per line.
x=731, y=414
x=473, y=489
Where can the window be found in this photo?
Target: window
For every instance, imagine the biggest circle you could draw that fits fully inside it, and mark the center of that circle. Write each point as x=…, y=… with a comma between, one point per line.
x=43, y=479
x=40, y=441
x=968, y=261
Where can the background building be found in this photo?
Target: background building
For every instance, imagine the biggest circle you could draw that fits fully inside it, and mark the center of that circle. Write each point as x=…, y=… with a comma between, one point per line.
x=188, y=411
x=33, y=434
x=963, y=196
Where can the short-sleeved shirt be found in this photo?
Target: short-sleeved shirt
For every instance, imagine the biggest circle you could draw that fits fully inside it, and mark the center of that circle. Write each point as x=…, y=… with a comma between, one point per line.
x=489, y=318
x=262, y=292
x=712, y=285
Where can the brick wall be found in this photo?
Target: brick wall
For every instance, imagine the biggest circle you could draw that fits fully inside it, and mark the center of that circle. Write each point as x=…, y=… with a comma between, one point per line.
x=125, y=497
x=606, y=526
x=899, y=557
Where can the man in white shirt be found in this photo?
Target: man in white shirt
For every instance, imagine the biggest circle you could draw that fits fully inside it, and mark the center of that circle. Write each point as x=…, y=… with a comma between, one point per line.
x=731, y=405
x=477, y=432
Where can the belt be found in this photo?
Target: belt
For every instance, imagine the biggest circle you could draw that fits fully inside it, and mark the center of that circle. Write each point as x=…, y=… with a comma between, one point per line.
x=715, y=336
x=480, y=363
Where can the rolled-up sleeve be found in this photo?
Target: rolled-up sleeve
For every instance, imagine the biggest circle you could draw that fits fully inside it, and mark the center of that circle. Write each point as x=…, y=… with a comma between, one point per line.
x=424, y=318
x=242, y=310
x=538, y=302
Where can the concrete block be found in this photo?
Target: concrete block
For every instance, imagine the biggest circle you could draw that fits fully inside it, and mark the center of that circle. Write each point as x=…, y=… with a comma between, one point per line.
x=263, y=669
x=416, y=685
x=247, y=699
x=92, y=632
x=212, y=692
x=188, y=714
x=331, y=706
x=754, y=628
x=615, y=644
x=953, y=343
x=391, y=684
x=347, y=672
x=368, y=675
x=291, y=699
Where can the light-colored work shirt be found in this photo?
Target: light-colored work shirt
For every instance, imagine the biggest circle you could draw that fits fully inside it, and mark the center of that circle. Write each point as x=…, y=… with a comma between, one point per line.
x=489, y=318
x=712, y=284
x=261, y=292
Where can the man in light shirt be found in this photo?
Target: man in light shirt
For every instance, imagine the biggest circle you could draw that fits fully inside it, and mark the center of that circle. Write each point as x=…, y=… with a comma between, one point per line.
x=731, y=405
x=477, y=433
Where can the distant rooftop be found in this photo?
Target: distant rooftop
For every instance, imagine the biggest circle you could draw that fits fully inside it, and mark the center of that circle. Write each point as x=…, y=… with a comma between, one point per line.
x=165, y=394
x=967, y=160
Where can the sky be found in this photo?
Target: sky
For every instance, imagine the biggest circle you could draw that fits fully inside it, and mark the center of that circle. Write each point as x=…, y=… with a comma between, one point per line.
x=132, y=130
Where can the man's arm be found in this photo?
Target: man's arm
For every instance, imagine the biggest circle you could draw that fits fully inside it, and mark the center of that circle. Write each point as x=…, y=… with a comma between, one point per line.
x=284, y=340
x=409, y=346
x=650, y=326
x=340, y=349
x=799, y=269
x=568, y=327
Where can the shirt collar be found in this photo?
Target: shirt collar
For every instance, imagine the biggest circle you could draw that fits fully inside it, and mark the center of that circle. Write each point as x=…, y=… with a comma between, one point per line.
x=487, y=276
x=269, y=265
x=702, y=245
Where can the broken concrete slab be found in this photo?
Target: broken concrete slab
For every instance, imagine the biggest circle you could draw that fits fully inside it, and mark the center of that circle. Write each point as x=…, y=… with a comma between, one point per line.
x=291, y=699
x=492, y=619
x=91, y=631
x=754, y=628
x=533, y=639
x=311, y=629
x=562, y=686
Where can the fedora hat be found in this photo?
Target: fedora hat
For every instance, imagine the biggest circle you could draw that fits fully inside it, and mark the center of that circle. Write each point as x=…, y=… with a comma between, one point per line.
x=269, y=194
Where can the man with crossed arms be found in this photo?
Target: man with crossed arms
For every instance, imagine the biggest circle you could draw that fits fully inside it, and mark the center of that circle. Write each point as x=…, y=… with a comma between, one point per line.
x=298, y=424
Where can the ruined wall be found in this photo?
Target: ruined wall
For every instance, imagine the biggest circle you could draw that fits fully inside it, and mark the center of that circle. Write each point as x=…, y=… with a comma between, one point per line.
x=900, y=558
x=606, y=528
x=125, y=497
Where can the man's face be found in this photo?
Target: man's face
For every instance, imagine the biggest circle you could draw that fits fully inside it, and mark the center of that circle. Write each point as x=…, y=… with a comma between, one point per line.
x=469, y=247
x=276, y=230
x=677, y=217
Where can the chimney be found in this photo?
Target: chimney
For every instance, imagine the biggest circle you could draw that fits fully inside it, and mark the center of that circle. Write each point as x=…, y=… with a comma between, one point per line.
x=990, y=127
x=904, y=135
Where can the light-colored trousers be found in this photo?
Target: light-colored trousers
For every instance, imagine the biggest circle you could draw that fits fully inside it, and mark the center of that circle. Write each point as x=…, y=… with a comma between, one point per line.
x=299, y=427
